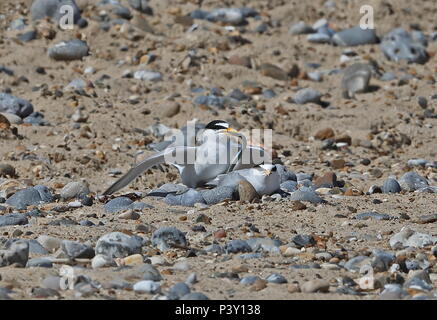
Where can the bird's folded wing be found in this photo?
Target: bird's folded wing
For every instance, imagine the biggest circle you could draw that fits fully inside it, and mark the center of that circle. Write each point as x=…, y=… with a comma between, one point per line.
x=166, y=156
x=252, y=156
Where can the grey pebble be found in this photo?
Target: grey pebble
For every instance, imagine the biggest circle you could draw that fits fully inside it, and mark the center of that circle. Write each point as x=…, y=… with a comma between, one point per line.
x=73, y=190
x=309, y=196
x=412, y=181
x=149, y=272
x=166, y=238
x=39, y=263
x=187, y=199
x=276, y=278
x=77, y=250
x=14, y=105
x=195, y=296
x=249, y=280
x=52, y=9
x=355, y=36
x=179, y=289
x=398, y=45
x=70, y=50
x=373, y=215
x=118, y=204
x=13, y=219
x=18, y=253
x=391, y=186
x=236, y=246
x=218, y=194
x=118, y=245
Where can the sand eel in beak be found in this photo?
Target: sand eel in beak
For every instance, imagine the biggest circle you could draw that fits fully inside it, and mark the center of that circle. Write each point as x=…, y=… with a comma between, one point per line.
x=219, y=149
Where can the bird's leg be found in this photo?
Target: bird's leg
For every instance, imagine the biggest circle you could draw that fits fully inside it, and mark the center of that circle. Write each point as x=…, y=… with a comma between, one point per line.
x=240, y=152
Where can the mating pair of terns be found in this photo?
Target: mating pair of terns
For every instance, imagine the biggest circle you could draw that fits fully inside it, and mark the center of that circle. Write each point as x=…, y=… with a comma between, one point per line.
x=202, y=164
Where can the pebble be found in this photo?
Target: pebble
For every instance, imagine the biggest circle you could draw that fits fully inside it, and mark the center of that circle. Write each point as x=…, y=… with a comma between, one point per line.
x=304, y=240
x=319, y=38
x=264, y=244
x=52, y=9
x=276, y=278
x=68, y=51
x=14, y=105
x=246, y=191
x=195, y=296
x=6, y=170
x=356, y=263
x=429, y=218
x=149, y=273
x=218, y=194
x=289, y=186
x=30, y=196
x=307, y=95
x=412, y=181
x=236, y=246
x=17, y=253
x=356, y=79
x=51, y=244
x=301, y=28
x=355, y=36
x=398, y=45
x=313, y=286
x=373, y=215
x=192, y=279
x=12, y=118
x=147, y=286
x=410, y=238
x=391, y=186
x=231, y=16
x=77, y=250
x=34, y=246
x=179, y=290
x=187, y=199
x=73, y=190
x=102, y=261
x=13, y=219
x=39, y=263
x=118, y=204
x=118, y=245
x=168, y=188
x=309, y=196
x=272, y=71
x=166, y=238
x=146, y=75
x=141, y=6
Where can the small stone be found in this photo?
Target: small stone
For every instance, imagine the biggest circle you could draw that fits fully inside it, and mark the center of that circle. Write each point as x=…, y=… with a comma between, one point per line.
x=373, y=215
x=398, y=45
x=30, y=196
x=6, y=170
x=430, y=218
x=391, y=186
x=240, y=61
x=315, y=286
x=102, y=261
x=355, y=36
x=76, y=250
x=188, y=199
x=118, y=245
x=324, y=134
x=17, y=253
x=129, y=215
x=258, y=285
x=195, y=296
x=309, y=196
x=73, y=190
x=13, y=219
x=51, y=244
x=246, y=191
x=166, y=238
x=236, y=246
x=328, y=180
x=355, y=264
x=39, y=263
x=179, y=289
x=276, y=278
x=249, y=280
x=293, y=287
x=118, y=204
x=304, y=240
x=146, y=75
x=70, y=50
x=307, y=95
x=52, y=282
x=272, y=71
x=218, y=194
x=301, y=28
x=147, y=286
x=411, y=181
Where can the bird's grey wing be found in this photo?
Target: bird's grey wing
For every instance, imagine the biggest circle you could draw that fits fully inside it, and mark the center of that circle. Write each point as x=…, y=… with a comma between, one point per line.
x=157, y=158
x=227, y=180
x=251, y=157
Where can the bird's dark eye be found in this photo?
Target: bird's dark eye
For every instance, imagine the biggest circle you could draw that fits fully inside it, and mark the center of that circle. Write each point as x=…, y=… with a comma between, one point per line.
x=217, y=125
x=274, y=169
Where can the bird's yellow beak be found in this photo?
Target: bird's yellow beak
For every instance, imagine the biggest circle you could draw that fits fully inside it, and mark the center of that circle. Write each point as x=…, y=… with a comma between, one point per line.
x=231, y=130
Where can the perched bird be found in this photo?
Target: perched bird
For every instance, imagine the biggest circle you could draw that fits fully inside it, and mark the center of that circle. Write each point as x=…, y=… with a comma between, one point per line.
x=218, y=150
x=264, y=178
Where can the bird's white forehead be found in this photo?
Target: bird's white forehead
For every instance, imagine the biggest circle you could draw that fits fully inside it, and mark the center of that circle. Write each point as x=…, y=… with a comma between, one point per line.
x=267, y=166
